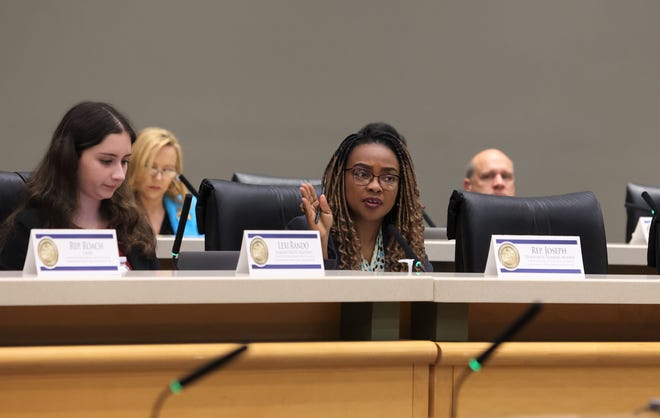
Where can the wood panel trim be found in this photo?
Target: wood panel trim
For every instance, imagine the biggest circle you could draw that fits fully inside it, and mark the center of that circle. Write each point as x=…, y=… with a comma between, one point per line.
x=555, y=353
x=184, y=356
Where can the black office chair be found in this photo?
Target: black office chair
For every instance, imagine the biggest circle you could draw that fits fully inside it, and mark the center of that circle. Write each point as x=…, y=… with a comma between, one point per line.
x=636, y=206
x=473, y=217
x=226, y=208
x=264, y=180
x=12, y=191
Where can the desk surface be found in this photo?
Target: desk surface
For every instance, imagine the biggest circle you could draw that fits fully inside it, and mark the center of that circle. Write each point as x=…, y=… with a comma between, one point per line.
x=164, y=244
x=617, y=253
x=218, y=287
x=593, y=289
x=198, y=287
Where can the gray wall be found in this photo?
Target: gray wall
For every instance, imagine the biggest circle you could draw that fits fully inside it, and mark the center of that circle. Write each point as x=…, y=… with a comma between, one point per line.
x=569, y=88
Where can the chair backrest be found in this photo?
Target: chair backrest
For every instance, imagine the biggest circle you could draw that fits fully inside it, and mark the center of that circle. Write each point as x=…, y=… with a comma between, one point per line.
x=473, y=217
x=12, y=191
x=226, y=208
x=248, y=178
x=636, y=206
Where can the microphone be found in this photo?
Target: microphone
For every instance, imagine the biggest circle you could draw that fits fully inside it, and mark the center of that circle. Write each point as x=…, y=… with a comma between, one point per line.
x=177, y=386
x=649, y=201
x=189, y=185
x=475, y=364
x=394, y=231
x=185, y=210
x=428, y=219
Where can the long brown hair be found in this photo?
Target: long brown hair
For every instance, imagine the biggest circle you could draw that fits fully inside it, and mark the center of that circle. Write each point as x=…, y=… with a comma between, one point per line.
x=53, y=186
x=406, y=214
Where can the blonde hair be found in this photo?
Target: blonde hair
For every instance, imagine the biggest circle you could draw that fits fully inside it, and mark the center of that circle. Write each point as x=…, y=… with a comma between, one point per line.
x=148, y=144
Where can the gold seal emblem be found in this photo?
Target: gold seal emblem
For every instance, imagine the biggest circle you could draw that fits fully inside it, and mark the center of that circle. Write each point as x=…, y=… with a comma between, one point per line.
x=259, y=251
x=47, y=251
x=509, y=256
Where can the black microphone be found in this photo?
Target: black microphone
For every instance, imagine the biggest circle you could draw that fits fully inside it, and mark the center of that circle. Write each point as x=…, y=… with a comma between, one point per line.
x=475, y=364
x=394, y=231
x=185, y=210
x=428, y=219
x=189, y=185
x=177, y=386
x=649, y=201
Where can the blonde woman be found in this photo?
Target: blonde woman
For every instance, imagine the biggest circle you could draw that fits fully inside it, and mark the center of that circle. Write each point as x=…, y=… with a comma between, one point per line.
x=153, y=175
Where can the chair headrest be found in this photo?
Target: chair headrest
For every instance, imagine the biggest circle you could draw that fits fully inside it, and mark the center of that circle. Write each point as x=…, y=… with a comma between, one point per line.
x=226, y=208
x=248, y=178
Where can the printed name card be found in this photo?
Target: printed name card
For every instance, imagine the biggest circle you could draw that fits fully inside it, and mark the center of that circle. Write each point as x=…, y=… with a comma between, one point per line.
x=534, y=256
x=281, y=253
x=641, y=233
x=57, y=252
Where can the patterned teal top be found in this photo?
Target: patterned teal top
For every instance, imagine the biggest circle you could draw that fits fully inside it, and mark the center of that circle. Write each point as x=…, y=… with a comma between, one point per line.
x=377, y=258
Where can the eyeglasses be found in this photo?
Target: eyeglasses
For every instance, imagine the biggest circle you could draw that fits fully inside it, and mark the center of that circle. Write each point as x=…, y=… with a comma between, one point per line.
x=167, y=173
x=362, y=177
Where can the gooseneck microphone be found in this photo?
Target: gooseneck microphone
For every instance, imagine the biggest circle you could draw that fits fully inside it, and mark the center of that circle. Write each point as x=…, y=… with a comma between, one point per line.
x=188, y=185
x=183, y=219
x=177, y=386
x=649, y=201
x=475, y=364
x=394, y=231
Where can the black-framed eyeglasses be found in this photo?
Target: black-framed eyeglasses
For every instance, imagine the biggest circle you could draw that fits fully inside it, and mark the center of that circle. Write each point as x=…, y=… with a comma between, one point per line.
x=167, y=173
x=363, y=176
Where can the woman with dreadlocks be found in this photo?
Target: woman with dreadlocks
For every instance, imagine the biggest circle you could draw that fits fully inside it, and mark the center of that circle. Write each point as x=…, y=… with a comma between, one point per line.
x=368, y=185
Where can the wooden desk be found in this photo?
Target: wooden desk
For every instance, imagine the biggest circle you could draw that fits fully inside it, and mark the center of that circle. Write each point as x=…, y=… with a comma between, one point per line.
x=366, y=379
x=208, y=306
x=548, y=379
x=193, y=306
x=470, y=307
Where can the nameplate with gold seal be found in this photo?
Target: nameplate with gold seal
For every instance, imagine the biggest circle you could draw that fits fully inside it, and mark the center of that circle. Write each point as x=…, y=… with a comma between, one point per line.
x=534, y=256
x=71, y=252
x=281, y=253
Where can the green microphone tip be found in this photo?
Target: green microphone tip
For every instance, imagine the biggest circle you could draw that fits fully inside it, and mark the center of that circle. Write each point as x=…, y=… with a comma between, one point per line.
x=474, y=365
x=175, y=386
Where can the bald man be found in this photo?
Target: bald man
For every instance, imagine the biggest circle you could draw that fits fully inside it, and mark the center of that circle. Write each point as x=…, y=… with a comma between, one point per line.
x=490, y=171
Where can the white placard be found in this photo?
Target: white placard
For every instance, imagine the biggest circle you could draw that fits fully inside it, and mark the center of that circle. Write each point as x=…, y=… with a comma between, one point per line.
x=281, y=253
x=641, y=233
x=534, y=256
x=57, y=252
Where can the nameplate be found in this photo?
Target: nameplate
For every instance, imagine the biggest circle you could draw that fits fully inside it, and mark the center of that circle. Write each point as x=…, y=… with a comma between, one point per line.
x=641, y=233
x=281, y=253
x=71, y=252
x=534, y=256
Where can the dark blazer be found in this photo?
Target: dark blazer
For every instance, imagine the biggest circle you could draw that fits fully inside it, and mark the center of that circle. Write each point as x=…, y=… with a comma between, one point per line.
x=300, y=223
x=12, y=256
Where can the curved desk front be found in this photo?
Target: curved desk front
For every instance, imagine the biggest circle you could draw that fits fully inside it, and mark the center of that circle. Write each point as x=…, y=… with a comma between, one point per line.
x=204, y=306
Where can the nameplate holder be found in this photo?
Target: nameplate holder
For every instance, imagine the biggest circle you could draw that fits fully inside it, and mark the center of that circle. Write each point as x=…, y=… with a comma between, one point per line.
x=525, y=256
x=281, y=253
x=72, y=252
x=640, y=235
